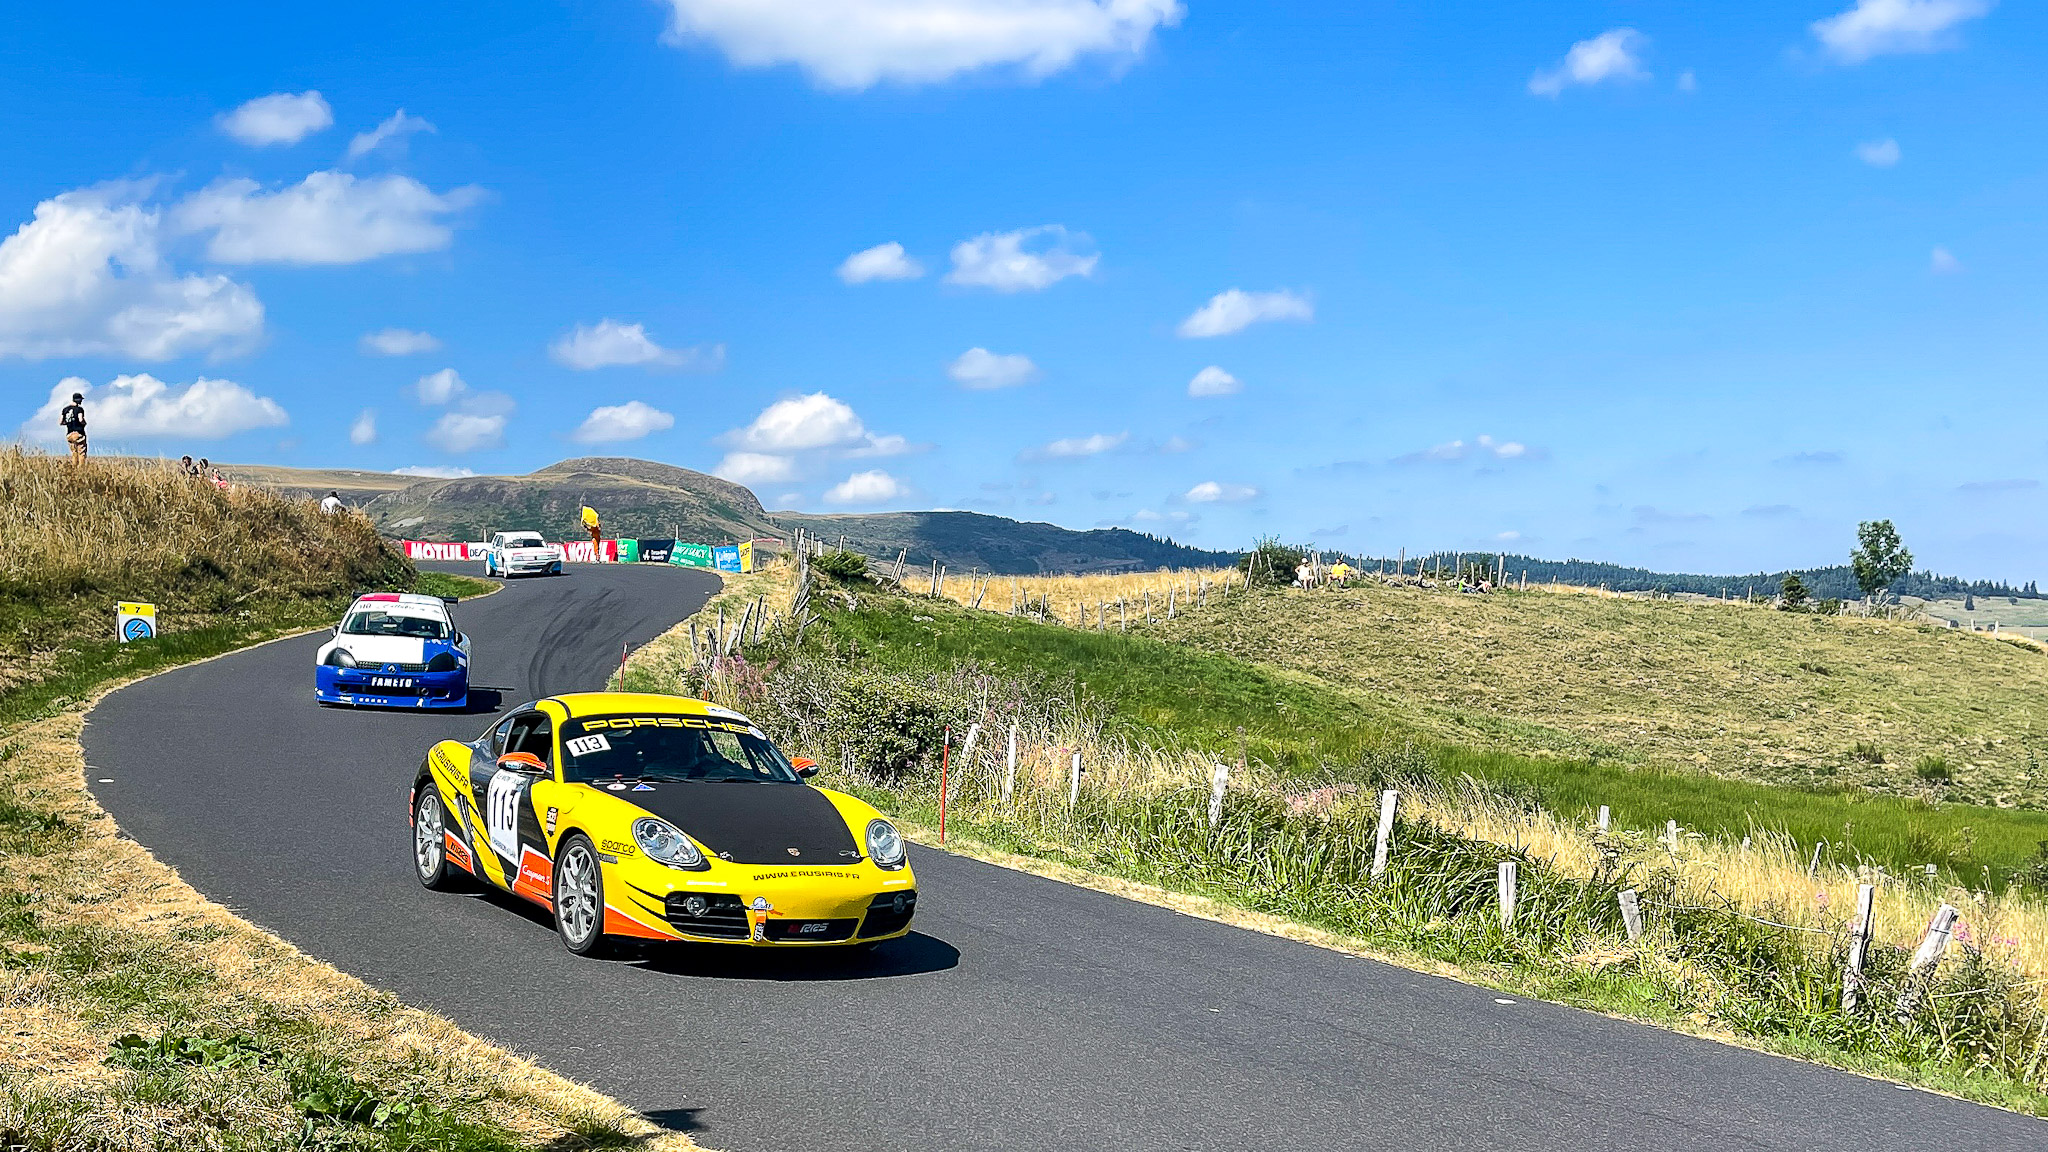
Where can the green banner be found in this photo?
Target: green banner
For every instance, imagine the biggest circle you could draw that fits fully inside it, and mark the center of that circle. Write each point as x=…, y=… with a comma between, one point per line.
x=629, y=551
x=691, y=555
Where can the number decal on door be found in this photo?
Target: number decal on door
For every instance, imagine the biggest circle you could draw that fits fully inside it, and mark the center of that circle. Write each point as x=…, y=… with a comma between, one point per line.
x=501, y=812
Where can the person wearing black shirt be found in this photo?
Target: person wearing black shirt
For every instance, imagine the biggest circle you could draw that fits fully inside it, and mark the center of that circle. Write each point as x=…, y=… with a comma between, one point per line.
x=73, y=420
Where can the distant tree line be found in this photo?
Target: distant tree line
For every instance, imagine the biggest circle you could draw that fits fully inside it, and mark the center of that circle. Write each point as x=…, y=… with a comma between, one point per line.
x=1837, y=582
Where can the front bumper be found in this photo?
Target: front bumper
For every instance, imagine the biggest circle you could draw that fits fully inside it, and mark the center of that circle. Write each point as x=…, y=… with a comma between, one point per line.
x=378, y=689
x=804, y=908
x=540, y=566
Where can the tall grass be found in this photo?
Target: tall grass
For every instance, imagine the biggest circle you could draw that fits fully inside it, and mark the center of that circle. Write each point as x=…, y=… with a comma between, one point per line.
x=77, y=537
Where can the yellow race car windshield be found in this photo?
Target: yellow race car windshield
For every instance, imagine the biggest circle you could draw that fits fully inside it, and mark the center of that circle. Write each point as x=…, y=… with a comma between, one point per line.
x=600, y=749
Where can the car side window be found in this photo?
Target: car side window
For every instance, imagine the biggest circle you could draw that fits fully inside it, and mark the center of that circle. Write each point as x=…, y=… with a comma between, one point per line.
x=499, y=735
x=534, y=734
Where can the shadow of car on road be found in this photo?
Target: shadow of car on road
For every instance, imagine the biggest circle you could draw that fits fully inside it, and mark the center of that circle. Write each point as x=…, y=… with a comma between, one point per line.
x=912, y=955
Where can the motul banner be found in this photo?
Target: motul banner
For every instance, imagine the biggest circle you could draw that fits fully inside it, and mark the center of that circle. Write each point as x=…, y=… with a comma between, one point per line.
x=436, y=550
x=581, y=551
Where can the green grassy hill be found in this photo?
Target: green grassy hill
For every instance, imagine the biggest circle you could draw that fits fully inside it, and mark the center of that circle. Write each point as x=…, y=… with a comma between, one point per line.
x=963, y=541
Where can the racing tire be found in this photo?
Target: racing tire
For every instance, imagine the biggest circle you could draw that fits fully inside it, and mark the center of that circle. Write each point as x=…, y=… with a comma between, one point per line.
x=579, y=897
x=430, y=861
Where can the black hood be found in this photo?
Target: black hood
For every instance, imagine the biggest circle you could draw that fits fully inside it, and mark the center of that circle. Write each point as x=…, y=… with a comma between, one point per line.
x=750, y=823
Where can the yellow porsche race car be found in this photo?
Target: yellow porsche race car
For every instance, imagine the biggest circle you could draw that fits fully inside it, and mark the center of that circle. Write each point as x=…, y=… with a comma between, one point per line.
x=641, y=816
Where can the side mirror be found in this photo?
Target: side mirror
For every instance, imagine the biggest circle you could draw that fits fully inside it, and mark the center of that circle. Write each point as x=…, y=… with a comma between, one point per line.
x=521, y=762
x=805, y=767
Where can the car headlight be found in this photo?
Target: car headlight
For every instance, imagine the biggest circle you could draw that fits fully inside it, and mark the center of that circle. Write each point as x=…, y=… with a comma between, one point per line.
x=443, y=662
x=339, y=658
x=885, y=844
x=664, y=843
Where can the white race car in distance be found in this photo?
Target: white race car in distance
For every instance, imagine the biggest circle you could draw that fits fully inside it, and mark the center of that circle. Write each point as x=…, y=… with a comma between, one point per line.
x=521, y=554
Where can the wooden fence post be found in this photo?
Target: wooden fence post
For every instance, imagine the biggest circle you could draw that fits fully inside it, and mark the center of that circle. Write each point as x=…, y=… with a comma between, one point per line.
x=1813, y=866
x=1218, y=781
x=1388, y=799
x=1925, y=958
x=1860, y=932
x=1632, y=914
x=1507, y=893
x=1010, y=772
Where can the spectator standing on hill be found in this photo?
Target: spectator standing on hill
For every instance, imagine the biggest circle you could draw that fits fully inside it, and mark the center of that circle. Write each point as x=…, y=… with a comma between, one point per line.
x=332, y=505
x=596, y=533
x=187, y=468
x=72, y=419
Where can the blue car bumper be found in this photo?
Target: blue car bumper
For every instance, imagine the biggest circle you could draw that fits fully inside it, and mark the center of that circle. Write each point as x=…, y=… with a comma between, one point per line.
x=379, y=689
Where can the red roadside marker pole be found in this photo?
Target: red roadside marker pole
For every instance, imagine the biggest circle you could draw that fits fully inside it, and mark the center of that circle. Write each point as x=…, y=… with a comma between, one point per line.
x=945, y=764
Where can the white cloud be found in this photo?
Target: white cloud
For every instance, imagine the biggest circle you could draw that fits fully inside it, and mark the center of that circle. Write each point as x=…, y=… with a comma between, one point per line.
x=86, y=277
x=1507, y=536
x=871, y=487
x=1236, y=310
x=327, y=218
x=1214, y=381
x=1943, y=262
x=1481, y=448
x=143, y=407
x=433, y=471
x=460, y=432
x=398, y=342
x=609, y=343
x=1687, y=82
x=981, y=369
x=1211, y=492
x=279, y=118
x=364, y=430
x=755, y=468
x=876, y=447
x=618, y=422
x=396, y=128
x=854, y=44
x=1879, y=153
x=477, y=419
x=801, y=423
x=1612, y=55
x=1177, y=444
x=440, y=387
x=1078, y=446
x=1171, y=516
x=882, y=262
x=1000, y=260
x=1883, y=27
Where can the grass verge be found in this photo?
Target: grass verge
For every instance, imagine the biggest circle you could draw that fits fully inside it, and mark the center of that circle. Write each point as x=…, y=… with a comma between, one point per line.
x=134, y=1013
x=1741, y=943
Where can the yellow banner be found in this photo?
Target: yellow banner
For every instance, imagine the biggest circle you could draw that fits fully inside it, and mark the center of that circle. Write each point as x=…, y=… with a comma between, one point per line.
x=746, y=555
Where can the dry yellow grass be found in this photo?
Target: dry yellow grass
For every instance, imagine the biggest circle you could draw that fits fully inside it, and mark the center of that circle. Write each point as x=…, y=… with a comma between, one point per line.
x=55, y=1031
x=1123, y=596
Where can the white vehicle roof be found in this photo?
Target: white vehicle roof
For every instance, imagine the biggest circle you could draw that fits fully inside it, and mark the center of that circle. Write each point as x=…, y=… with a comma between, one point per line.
x=402, y=604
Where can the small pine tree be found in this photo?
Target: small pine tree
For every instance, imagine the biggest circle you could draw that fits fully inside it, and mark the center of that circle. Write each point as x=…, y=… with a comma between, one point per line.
x=1793, y=590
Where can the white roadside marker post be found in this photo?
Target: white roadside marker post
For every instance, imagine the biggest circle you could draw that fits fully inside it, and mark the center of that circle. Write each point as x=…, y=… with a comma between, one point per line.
x=1388, y=799
x=1603, y=819
x=1671, y=835
x=1631, y=914
x=1507, y=893
x=1074, y=783
x=1010, y=772
x=1860, y=932
x=966, y=752
x=1218, y=781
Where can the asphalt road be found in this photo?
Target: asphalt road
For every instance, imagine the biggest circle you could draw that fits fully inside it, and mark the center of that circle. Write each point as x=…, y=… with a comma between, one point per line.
x=1022, y=1014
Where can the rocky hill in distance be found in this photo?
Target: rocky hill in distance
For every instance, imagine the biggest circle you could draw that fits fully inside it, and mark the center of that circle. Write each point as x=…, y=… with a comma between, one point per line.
x=647, y=499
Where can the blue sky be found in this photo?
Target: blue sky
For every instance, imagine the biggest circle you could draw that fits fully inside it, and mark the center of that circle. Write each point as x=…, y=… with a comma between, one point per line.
x=1689, y=286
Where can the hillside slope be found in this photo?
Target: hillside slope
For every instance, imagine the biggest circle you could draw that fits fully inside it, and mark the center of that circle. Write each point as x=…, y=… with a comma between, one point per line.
x=1733, y=689
x=968, y=540
x=78, y=537
x=635, y=498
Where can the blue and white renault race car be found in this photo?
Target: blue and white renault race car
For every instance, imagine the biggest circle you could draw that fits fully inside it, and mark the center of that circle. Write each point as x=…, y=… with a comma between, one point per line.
x=394, y=650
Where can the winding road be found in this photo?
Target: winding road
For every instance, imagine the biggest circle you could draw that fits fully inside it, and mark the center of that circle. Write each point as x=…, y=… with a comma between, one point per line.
x=1023, y=1014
